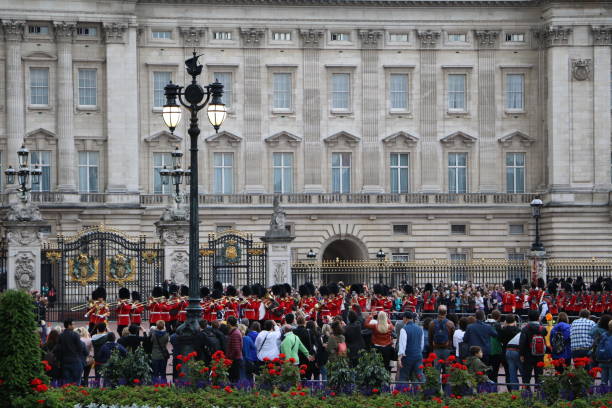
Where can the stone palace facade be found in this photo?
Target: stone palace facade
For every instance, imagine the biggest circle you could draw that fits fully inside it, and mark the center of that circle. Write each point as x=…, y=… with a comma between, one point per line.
x=424, y=128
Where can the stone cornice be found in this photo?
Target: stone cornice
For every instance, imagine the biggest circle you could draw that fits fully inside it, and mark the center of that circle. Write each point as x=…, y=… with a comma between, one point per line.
x=486, y=38
x=311, y=38
x=64, y=32
x=428, y=38
x=550, y=35
x=13, y=29
x=363, y=3
x=251, y=37
x=114, y=33
x=602, y=35
x=370, y=38
x=192, y=36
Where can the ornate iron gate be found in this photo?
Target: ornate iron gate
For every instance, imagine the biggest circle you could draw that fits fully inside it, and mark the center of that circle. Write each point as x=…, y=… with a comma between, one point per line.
x=98, y=256
x=232, y=257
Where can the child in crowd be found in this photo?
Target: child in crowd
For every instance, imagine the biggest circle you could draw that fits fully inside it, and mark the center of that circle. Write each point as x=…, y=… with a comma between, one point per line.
x=475, y=364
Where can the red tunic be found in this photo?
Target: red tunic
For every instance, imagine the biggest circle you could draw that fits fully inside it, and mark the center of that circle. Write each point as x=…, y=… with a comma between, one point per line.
x=230, y=308
x=598, y=302
x=410, y=304
x=518, y=302
x=135, y=314
x=182, y=312
x=155, y=314
x=326, y=307
x=508, y=301
x=123, y=314
x=429, y=303
x=251, y=308
x=100, y=314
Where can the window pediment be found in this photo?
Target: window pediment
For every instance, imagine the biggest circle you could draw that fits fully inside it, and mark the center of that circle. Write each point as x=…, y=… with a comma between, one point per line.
x=458, y=137
x=230, y=138
x=40, y=133
x=163, y=137
x=523, y=139
x=277, y=138
x=400, y=137
x=349, y=139
x=39, y=56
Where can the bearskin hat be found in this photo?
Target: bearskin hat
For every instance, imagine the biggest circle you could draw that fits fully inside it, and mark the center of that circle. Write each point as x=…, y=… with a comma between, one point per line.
x=184, y=290
x=608, y=285
x=311, y=288
x=166, y=293
x=246, y=290
x=231, y=291
x=524, y=282
x=303, y=290
x=204, y=292
x=218, y=286
x=596, y=287
x=174, y=289
x=216, y=294
x=101, y=292
x=386, y=290
x=136, y=296
x=124, y=293
x=258, y=290
x=357, y=288
x=541, y=283
x=552, y=288
x=378, y=289
x=428, y=287
x=517, y=284
x=277, y=290
x=288, y=289
x=508, y=285
x=324, y=290
x=333, y=288
x=408, y=289
x=157, y=292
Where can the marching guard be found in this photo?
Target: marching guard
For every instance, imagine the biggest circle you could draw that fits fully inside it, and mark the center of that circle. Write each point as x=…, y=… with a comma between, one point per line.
x=123, y=309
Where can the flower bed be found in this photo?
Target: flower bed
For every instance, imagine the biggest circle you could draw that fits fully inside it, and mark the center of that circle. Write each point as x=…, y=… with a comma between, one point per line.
x=177, y=397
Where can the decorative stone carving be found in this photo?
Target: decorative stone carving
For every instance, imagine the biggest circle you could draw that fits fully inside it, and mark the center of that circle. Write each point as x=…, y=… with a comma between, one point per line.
x=114, y=33
x=401, y=137
x=581, y=69
x=550, y=35
x=428, y=38
x=252, y=36
x=311, y=38
x=277, y=223
x=370, y=38
x=602, y=35
x=175, y=213
x=179, y=266
x=466, y=139
x=349, y=139
x=23, y=237
x=280, y=272
x=13, y=29
x=192, y=35
x=525, y=140
x=174, y=237
x=276, y=138
x=486, y=38
x=23, y=211
x=25, y=272
x=64, y=32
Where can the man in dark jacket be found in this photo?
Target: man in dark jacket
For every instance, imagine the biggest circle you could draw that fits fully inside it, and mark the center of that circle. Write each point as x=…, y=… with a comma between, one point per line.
x=353, y=336
x=132, y=341
x=234, y=349
x=306, y=338
x=479, y=334
x=107, y=349
x=530, y=362
x=70, y=352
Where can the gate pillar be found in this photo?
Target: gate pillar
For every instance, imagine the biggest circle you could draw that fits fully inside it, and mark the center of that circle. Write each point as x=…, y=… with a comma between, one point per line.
x=278, y=239
x=174, y=236
x=22, y=225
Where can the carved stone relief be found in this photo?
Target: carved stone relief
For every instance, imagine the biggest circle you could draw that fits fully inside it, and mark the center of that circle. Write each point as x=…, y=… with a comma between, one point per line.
x=23, y=237
x=428, y=38
x=64, y=32
x=114, y=33
x=602, y=35
x=21, y=211
x=280, y=272
x=552, y=35
x=252, y=36
x=25, y=270
x=192, y=35
x=311, y=38
x=179, y=267
x=370, y=38
x=174, y=237
x=13, y=30
x=486, y=38
x=581, y=69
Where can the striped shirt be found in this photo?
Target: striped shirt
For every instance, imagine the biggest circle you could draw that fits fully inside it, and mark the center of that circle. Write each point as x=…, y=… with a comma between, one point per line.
x=580, y=333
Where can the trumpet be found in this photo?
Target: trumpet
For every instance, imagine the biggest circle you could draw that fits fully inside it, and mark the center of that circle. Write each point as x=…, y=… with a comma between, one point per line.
x=87, y=305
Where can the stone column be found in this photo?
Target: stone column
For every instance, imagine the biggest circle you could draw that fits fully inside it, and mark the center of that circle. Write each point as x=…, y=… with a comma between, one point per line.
x=64, y=33
x=279, y=240
x=487, y=144
x=370, y=112
x=22, y=226
x=602, y=127
x=15, y=119
x=311, y=108
x=537, y=260
x=122, y=110
x=431, y=179
x=253, y=147
x=174, y=236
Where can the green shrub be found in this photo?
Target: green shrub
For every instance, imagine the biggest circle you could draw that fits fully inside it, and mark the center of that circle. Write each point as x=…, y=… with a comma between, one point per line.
x=20, y=354
x=370, y=371
x=133, y=369
x=340, y=376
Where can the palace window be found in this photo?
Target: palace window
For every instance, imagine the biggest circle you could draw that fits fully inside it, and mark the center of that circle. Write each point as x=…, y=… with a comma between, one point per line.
x=456, y=37
x=457, y=173
x=516, y=229
x=515, y=173
x=222, y=35
x=281, y=36
x=225, y=78
x=39, y=86
x=282, y=167
x=159, y=161
x=282, y=91
x=162, y=35
x=398, y=91
x=515, y=37
x=400, y=172
x=401, y=229
x=160, y=80
x=38, y=30
x=515, y=90
x=399, y=37
x=456, y=92
x=89, y=163
x=87, y=87
x=42, y=159
x=340, y=37
x=341, y=172
x=87, y=31
x=223, y=173
x=341, y=91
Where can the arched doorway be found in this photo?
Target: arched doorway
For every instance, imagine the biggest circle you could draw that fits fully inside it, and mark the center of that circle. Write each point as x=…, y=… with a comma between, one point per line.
x=344, y=248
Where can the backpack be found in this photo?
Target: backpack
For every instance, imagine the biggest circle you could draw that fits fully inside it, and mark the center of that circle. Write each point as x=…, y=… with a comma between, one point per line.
x=464, y=350
x=97, y=345
x=537, y=345
x=557, y=341
x=604, y=350
x=597, y=337
x=147, y=344
x=440, y=336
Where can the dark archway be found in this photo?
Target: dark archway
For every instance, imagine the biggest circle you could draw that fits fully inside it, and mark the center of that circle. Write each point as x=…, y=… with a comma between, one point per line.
x=342, y=249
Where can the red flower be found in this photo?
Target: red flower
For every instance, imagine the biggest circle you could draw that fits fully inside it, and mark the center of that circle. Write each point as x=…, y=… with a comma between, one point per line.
x=179, y=357
x=270, y=365
x=266, y=359
x=395, y=392
x=333, y=394
x=40, y=401
x=84, y=392
x=293, y=393
x=213, y=374
x=479, y=373
x=228, y=389
x=281, y=355
x=540, y=364
x=181, y=374
x=440, y=361
x=41, y=388
x=302, y=372
x=421, y=366
x=216, y=387
x=374, y=390
x=227, y=362
x=452, y=358
x=274, y=394
x=36, y=381
x=292, y=360
x=513, y=397
x=432, y=356
x=48, y=367
x=302, y=393
x=178, y=366
x=44, y=362
x=136, y=381
x=323, y=398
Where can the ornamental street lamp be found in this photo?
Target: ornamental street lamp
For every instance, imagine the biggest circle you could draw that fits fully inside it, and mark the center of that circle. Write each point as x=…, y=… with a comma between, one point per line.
x=175, y=175
x=23, y=174
x=194, y=98
x=536, y=207
x=380, y=255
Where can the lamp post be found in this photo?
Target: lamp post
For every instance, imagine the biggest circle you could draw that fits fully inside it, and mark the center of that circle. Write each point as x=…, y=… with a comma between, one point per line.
x=380, y=255
x=23, y=174
x=194, y=98
x=312, y=256
x=536, y=207
x=175, y=175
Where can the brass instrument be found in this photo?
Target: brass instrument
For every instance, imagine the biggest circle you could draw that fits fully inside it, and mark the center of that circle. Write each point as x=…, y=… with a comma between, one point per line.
x=87, y=305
